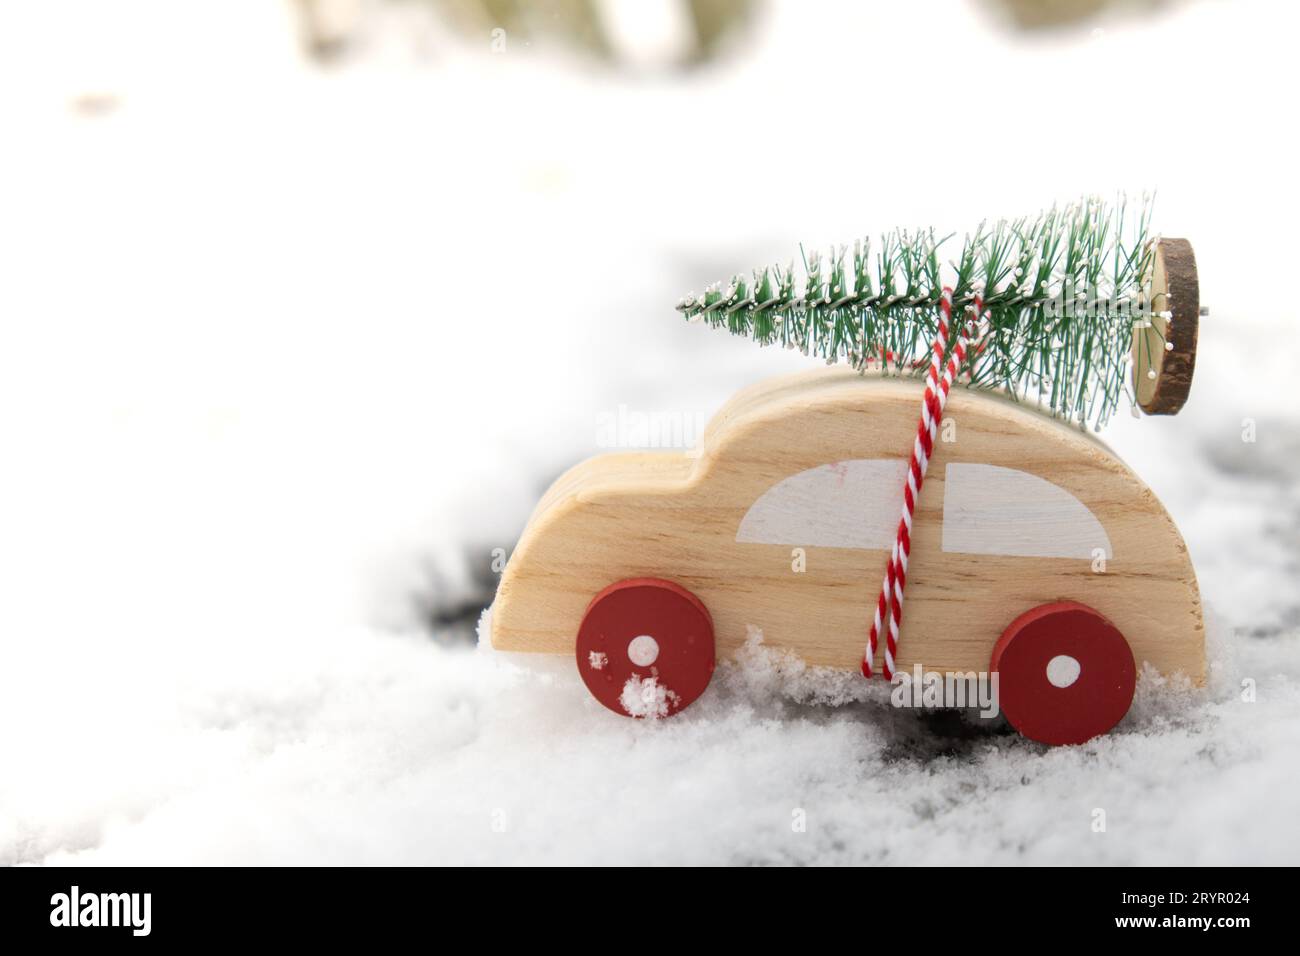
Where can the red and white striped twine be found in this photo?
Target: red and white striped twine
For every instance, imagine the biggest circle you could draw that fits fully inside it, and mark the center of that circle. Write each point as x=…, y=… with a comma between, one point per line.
x=890, y=602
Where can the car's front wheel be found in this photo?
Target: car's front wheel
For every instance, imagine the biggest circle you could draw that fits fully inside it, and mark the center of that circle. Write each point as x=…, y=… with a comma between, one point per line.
x=645, y=647
x=1065, y=673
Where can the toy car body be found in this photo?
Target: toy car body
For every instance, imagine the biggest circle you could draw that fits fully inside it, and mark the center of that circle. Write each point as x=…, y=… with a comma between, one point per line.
x=1018, y=511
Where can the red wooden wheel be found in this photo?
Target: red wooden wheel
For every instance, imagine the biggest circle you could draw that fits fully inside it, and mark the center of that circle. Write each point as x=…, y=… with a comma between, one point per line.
x=1065, y=673
x=645, y=647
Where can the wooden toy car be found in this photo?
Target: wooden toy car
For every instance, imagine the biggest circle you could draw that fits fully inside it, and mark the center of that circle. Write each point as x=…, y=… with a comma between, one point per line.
x=1037, y=554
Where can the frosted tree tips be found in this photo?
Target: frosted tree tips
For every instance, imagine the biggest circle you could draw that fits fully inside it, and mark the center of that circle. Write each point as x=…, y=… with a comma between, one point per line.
x=1164, y=351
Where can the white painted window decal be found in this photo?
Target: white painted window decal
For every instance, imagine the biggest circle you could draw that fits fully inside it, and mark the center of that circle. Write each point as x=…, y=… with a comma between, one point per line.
x=988, y=509
x=847, y=504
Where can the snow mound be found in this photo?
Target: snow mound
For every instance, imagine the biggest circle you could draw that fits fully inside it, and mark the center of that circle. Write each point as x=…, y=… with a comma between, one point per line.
x=392, y=749
x=759, y=671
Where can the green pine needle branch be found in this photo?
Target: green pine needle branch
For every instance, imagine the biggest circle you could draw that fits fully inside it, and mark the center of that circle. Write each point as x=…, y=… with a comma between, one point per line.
x=1062, y=293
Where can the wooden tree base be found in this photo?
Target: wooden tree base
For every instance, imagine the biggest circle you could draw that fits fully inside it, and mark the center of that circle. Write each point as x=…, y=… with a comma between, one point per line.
x=1174, y=288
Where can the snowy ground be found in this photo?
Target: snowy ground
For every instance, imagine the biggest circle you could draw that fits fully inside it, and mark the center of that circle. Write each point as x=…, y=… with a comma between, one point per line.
x=287, y=353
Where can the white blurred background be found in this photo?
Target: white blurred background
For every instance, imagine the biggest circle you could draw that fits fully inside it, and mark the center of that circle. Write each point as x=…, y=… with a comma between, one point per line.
x=303, y=304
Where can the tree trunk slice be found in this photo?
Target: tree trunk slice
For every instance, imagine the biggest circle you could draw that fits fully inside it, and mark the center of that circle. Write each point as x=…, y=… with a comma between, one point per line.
x=1174, y=289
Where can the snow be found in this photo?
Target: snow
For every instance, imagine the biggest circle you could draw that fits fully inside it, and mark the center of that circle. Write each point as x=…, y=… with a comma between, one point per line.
x=647, y=697
x=289, y=352
x=379, y=752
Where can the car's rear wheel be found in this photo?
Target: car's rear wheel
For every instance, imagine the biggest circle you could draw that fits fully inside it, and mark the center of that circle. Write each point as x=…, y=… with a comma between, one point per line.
x=1065, y=673
x=645, y=647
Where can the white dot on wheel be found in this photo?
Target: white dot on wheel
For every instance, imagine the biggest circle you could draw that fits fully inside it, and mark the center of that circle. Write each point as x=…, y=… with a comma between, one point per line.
x=643, y=650
x=1062, y=670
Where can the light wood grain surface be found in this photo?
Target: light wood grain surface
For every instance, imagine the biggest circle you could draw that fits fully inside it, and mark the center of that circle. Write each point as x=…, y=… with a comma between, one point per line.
x=676, y=516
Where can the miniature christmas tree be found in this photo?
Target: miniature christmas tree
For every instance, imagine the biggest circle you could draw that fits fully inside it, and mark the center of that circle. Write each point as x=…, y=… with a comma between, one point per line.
x=1062, y=294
